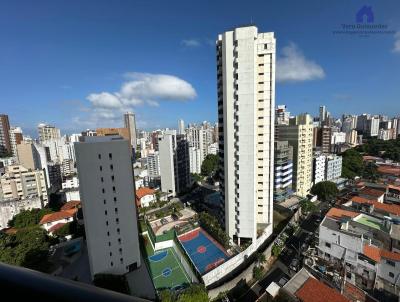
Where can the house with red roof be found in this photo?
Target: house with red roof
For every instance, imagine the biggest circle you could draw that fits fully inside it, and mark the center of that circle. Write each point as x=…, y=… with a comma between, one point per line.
x=372, y=194
x=145, y=196
x=53, y=221
x=72, y=204
x=304, y=287
x=373, y=206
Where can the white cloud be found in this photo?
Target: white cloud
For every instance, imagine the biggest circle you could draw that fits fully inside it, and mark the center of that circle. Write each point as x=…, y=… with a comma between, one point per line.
x=396, y=47
x=293, y=66
x=191, y=43
x=106, y=108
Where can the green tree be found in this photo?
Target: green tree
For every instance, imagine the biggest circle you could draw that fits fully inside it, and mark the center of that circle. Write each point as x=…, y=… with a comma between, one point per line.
x=325, y=190
x=307, y=206
x=194, y=293
x=257, y=272
x=196, y=177
x=28, y=218
x=212, y=226
x=209, y=165
x=261, y=258
x=352, y=164
x=28, y=248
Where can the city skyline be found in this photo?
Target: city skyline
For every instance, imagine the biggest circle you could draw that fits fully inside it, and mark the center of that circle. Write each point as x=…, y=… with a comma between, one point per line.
x=115, y=77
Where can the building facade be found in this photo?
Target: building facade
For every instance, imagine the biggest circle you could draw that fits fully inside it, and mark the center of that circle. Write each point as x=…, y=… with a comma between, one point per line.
x=5, y=144
x=246, y=109
x=299, y=134
x=283, y=170
x=130, y=124
x=107, y=191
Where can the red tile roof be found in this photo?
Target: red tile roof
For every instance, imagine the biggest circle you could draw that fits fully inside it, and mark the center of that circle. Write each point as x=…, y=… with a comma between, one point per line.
x=337, y=213
x=71, y=205
x=385, y=169
x=372, y=192
x=56, y=227
x=377, y=254
x=143, y=191
x=58, y=216
x=316, y=291
x=389, y=208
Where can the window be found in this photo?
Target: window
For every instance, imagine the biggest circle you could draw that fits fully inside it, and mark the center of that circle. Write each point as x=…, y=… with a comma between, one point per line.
x=116, y=210
x=348, y=275
x=102, y=179
x=121, y=260
x=391, y=263
x=327, y=244
x=108, y=233
x=104, y=201
x=114, y=189
x=391, y=275
x=110, y=155
x=266, y=46
x=102, y=190
x=106, y=222
x=117, y=220
x=109, y=243
x=120, y=251
x=260, y=213
x=115, y=199
x=112, y=177
x=119, y=240
x=105, y=212
x=110, y=254
x=111, y=167
x=99, y=155
x=101, y=168
x=112, y=263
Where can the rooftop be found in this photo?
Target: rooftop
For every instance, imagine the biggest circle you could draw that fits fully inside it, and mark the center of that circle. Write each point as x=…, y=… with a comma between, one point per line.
x=316, y=291
x=389, y=208
x=377, y=254
x=339, y=214
x=143, y=191
x=71, y=205
x=58, y=216
x=372, y=192
x=370, y=222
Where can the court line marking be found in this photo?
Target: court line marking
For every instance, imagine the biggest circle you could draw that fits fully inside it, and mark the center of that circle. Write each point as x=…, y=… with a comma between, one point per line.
x=182, y=268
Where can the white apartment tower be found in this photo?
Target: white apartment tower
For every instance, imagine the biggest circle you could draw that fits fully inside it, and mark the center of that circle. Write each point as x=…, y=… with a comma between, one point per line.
x=246, y=109
x=181, y=127
x=107, y=190
x=130, y=123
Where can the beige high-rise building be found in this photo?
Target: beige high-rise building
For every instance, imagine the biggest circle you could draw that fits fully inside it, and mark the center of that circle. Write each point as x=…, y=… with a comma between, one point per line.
x=130, y=124
x=48, y=132
x=246, y=115
x=16, y=138
x=26, y=155
x=299, y=134
x=20, y=182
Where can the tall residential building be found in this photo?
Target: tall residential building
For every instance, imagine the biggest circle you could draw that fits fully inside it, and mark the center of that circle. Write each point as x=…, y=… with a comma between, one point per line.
x=195, y=160
x=281, y=115
x=16, y=137
x=181, y=127
x=333, y=167
x=322, y=115
x=130, y=124
x=174, y=162
x=283, y=170
x=20, y=182
x=246, y=110
x=106, y=186
x=5, y=144
x=153, y=164
x=318, y=168
x=299, y=134
x=48, y=132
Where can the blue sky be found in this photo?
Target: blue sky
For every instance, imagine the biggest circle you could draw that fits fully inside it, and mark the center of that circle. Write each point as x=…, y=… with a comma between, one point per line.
x=80, y=64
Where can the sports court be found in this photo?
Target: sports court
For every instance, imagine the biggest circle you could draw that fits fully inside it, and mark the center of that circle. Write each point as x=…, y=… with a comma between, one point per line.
x=203, y=250
x=165, y=268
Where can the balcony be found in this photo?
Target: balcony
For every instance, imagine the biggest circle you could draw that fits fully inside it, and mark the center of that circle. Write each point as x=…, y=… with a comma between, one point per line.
x=20, y=283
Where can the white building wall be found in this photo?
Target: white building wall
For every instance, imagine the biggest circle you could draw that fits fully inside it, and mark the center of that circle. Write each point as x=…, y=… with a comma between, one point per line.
x=248, y=84
x=107, y=191
x=319, y=168
x=166, y=147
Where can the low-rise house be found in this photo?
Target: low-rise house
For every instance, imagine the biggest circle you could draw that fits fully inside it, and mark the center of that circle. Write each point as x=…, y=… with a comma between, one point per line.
x=350, y=240
x=73, y=204
x=50, y=220
x=372, y=194
x=305, y=287
x=145, y=196
x=374, y=207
